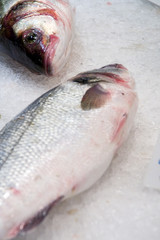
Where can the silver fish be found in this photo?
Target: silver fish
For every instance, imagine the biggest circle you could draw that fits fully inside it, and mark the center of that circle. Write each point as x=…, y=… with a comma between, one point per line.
x=37, y=33
x=61, y=144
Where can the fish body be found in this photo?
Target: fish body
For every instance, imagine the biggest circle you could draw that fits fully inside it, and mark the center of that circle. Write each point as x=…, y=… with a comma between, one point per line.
x=37, y=33
x=61, y=144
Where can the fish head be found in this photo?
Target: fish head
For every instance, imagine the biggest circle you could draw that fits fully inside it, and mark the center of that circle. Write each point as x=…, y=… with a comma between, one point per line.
x=30, y=33
x=110, y=90
x=38, y=49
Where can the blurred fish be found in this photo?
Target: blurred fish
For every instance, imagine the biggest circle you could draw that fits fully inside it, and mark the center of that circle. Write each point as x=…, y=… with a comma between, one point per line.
x=37, y=33
x=61, y=144
x=156, y=2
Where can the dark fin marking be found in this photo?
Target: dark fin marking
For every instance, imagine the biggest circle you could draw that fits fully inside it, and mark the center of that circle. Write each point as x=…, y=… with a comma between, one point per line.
x=95, y=97
x=85, y=79
x=36, y=220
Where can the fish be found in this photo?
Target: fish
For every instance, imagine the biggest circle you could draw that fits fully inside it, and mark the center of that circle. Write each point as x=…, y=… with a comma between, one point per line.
x=37, y=33
x=62, y=143
x=155, y=2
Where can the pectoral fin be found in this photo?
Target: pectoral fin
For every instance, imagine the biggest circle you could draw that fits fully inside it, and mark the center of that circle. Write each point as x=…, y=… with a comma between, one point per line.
x=95, y=97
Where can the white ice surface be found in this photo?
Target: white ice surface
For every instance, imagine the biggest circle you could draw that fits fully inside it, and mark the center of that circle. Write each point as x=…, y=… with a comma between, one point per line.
x=118, y=207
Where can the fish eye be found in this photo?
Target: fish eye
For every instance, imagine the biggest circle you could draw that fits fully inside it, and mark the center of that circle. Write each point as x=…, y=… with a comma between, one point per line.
x=32, y=36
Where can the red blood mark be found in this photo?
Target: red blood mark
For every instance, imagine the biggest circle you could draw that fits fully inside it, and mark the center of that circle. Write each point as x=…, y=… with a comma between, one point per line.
x=74, y=188
x=50, y=12
x=14, y=231
x=116, y=78
x=50, y=52
x=13, y=18
x=120, y=126
x=15, y=191
x=109, y=3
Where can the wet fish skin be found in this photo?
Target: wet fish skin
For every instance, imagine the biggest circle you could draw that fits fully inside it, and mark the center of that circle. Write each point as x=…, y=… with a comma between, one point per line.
x=61, y=144
x=37, y=33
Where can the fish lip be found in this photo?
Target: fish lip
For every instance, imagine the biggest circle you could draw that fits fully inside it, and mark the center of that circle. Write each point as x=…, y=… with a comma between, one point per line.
x=49, y=55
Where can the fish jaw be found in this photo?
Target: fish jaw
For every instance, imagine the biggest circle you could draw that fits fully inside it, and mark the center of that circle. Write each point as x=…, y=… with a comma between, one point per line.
x=60, y=144
x=38, y=34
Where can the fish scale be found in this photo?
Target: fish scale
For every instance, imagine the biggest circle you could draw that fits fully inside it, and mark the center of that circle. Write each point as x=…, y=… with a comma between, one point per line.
x=28, y=127
x=15, y=129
